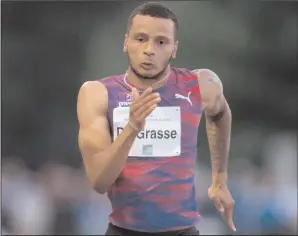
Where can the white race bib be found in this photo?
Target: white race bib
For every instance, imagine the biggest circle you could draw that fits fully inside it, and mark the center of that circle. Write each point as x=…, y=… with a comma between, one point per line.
x=161, y=136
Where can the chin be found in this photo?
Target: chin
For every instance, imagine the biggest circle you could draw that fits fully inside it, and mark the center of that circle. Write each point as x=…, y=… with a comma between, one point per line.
x=148, y=74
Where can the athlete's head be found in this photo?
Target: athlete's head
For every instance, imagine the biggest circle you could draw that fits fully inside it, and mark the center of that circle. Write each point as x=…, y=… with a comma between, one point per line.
x=151, y=41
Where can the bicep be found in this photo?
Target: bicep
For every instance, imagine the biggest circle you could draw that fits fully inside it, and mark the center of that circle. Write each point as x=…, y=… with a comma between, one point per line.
x=94, y=133
x=94, y=137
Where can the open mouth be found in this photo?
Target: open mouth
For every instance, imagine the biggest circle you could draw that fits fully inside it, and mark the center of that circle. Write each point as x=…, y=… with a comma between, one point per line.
x=147, y=65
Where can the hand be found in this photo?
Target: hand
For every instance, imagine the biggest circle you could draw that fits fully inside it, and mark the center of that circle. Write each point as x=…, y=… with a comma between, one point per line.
x=141, y=107
x=224, y=203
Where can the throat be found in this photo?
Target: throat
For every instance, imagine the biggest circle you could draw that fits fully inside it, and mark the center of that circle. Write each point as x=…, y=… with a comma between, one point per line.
x=131, y=80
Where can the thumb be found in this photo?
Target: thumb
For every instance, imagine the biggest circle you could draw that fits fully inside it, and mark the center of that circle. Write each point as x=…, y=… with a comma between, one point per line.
x=135, y=93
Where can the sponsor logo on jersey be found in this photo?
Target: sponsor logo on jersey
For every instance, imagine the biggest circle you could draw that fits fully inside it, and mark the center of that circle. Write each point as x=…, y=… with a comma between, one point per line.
x=124, y=99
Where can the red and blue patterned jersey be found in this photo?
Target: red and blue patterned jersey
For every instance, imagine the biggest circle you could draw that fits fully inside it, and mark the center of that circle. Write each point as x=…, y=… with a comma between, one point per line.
x=158, y=194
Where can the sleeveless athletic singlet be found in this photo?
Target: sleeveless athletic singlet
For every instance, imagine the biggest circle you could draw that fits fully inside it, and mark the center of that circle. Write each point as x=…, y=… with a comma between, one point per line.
x=155, y=191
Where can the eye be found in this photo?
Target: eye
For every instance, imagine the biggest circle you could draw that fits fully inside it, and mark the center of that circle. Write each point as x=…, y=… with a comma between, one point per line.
x=161, y=42
x=140, y=39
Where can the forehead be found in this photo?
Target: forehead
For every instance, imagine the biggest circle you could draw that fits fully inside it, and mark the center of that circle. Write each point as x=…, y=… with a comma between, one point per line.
x=152, y=25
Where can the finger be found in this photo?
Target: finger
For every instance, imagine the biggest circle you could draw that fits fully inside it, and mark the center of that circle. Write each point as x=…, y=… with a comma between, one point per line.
x=228, y=217
x=141, y=112
x=142, y=101
x=217, y=204
x=147, y=92
x=228, y=214
x=135, y=93
x=148, y=111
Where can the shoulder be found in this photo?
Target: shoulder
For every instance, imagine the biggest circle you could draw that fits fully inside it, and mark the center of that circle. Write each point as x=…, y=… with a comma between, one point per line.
x=92, y=87
x=207, y=77
x=92, y=95
x=211, y=89
x=209, y=81
x=98, y=87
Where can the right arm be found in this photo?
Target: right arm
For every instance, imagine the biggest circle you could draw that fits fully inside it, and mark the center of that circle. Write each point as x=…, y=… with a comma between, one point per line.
x=103, y=160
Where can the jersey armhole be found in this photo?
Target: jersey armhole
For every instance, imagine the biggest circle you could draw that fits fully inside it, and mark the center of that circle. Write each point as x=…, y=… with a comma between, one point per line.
x=108, y=113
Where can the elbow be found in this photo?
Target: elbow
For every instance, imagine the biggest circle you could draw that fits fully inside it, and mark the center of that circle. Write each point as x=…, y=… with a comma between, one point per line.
x=95, y=178
x=101, y=191
x=227, y=111
x=96, y=183
x=224, y=114
x=98, y=187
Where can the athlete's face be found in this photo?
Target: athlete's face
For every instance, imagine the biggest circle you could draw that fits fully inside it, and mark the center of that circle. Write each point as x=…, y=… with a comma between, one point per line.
x=150, y=45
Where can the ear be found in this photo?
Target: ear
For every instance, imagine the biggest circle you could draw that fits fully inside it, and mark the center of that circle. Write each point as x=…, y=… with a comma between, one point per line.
x=125, y=43
x=174, y=54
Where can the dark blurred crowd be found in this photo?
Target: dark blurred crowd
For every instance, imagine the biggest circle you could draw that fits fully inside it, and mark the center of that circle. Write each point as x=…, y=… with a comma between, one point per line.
x=57, y=199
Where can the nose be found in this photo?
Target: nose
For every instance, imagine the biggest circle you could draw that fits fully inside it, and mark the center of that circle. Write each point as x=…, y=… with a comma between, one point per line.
x=149, y=49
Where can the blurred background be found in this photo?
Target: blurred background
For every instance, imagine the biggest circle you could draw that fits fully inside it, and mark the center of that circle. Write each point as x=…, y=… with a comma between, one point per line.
x=49, y=49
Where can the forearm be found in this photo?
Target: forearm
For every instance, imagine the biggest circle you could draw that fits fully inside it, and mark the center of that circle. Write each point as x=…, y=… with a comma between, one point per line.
x=109, y=163
x=218, y=132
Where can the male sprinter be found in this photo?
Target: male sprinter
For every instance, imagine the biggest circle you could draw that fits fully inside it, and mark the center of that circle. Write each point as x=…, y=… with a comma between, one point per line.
x=138, y=133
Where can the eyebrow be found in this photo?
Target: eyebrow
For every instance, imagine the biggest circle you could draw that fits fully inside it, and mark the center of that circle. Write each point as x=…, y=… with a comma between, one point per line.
x=162, y=36
x=140, y=33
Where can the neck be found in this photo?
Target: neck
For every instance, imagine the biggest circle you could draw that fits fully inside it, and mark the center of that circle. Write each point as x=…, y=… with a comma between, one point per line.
x=142, y=84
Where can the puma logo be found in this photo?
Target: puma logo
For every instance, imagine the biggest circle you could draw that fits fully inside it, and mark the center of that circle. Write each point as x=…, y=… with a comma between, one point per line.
x=184, y=97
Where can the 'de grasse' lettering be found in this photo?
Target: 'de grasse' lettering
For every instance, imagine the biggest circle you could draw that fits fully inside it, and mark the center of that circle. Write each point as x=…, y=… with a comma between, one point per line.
x=153, y=134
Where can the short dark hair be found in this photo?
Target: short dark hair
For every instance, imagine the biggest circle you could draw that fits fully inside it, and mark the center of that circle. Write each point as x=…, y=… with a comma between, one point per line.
x=153, y=9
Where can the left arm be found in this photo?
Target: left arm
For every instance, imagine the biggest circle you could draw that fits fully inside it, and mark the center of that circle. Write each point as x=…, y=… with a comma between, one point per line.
x=218, y=125
x=218, y=132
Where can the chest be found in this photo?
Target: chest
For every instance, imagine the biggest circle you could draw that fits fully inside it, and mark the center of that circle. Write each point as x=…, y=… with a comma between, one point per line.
x=169, y=129
x=188, y=99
